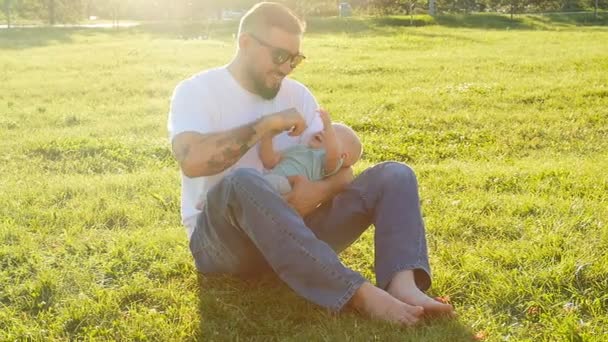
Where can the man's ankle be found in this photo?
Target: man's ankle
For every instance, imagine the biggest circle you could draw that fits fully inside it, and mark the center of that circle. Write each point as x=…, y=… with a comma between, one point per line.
x=359, y=299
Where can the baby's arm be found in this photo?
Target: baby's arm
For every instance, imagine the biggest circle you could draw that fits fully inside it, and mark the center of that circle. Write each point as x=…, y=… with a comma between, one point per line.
x=270, y=158
x=332, y=148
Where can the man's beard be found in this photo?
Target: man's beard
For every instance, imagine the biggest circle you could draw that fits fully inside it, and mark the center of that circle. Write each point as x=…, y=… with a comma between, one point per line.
x=261, y=88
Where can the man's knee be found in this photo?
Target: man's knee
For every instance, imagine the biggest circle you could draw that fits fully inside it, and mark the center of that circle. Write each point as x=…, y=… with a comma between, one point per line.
x=247, y=178
x=392, y=173
x=223, y=188
x=243, y=176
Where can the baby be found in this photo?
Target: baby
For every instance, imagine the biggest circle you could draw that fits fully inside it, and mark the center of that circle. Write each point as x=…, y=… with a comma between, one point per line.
x=326, y=152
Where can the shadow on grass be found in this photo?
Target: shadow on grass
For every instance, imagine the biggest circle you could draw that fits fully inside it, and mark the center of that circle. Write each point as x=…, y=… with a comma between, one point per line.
x=32, y=37
x=524, y=22
x=22, y=38
x=29, y=37
x=380, y=26
x=266, y=309
x=484, y=21
x=377, y=26
x=568, y=20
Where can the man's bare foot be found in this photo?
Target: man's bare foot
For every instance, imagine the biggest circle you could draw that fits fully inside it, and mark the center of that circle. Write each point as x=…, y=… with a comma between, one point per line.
x=403, y=287
x=379, y=304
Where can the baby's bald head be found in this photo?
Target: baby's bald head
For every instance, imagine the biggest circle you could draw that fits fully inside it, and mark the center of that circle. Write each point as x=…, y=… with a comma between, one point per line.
x=351, y=145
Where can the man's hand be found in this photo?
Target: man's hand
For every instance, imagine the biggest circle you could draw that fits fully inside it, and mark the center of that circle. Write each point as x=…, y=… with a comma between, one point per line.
x=287, y=120
x=305, y=196
x=209, y=154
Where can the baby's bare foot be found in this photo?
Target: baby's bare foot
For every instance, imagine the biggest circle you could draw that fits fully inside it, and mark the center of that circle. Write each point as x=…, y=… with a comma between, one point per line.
x=380, y=305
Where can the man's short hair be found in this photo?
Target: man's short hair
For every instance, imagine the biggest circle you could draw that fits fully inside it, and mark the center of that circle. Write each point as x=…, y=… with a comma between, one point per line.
x=266, y=15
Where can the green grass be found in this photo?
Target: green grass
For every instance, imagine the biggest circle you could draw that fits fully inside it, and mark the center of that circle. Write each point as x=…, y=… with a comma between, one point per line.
x=507, y=130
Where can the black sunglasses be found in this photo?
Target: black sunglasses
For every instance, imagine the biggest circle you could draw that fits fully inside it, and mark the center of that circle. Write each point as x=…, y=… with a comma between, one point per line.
x=280, y=56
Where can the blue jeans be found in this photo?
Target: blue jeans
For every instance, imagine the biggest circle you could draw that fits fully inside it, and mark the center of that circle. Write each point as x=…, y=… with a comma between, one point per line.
x=246, y=228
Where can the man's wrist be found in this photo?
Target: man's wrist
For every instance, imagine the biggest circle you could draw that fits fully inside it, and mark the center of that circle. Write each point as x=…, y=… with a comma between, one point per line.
x=344, y=178
x=266, y=125
x=327, y=189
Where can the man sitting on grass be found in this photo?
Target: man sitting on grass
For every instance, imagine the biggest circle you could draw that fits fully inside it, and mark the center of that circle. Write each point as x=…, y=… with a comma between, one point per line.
x=245, y=227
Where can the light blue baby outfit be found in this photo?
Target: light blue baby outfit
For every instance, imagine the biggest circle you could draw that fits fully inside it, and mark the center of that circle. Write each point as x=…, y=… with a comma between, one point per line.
x=299, y=160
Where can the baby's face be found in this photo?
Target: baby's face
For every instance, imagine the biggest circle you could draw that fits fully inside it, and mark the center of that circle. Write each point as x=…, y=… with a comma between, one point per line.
x=317, y=140
x=349, y=146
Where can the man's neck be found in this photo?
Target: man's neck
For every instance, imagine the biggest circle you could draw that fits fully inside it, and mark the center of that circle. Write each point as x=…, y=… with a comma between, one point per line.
x=237, y=69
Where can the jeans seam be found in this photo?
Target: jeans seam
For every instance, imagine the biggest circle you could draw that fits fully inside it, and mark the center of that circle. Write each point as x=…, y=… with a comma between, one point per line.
x=354, y=286
x=422, y=236
x=420, y=240
x=300, y=244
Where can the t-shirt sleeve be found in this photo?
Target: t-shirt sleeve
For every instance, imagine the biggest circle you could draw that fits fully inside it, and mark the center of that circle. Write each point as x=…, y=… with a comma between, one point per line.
x=309, y=111
x=190, y=110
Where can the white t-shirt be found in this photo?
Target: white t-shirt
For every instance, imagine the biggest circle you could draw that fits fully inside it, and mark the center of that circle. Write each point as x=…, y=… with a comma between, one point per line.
x=213, y=101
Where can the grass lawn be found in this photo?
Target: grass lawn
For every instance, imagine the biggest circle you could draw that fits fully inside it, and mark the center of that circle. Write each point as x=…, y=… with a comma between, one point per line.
x=506, y=125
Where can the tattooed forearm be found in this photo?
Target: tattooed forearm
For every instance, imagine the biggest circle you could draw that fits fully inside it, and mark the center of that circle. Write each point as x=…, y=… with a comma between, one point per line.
x=182, y=152
x=210, y=154
x=226, y=158
x=232, y=148
x=240, y=136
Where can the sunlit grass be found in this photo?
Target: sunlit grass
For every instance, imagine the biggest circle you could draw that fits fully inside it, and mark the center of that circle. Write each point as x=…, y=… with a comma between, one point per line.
x=507, y=130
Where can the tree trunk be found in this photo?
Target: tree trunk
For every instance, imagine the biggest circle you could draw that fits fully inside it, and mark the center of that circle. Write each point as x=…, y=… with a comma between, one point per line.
x=411, y=10
x=89, y=10
x=432, y=10
x=8, y=13
x=595, y=11
x=512, y=9
x=51, y=12
x=116, y=14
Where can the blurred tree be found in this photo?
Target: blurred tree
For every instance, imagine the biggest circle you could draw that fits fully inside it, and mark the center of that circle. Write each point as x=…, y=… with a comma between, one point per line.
x=66, y=11
x=5, y=6
x=51, y=11
x=51, y=8
x=385, y=7
x=313, y=7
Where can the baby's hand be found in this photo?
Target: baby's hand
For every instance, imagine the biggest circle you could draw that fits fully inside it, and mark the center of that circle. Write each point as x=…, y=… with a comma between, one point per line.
x=325, y=118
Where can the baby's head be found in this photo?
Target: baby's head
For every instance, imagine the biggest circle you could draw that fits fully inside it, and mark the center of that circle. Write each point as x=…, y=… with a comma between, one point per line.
x=350, y=145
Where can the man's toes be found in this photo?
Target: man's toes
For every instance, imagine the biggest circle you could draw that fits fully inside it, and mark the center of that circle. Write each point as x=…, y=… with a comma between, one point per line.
x=409, y=319
x=418, y=311
x=445, y=308
x=436, y=308
x=442, y=299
